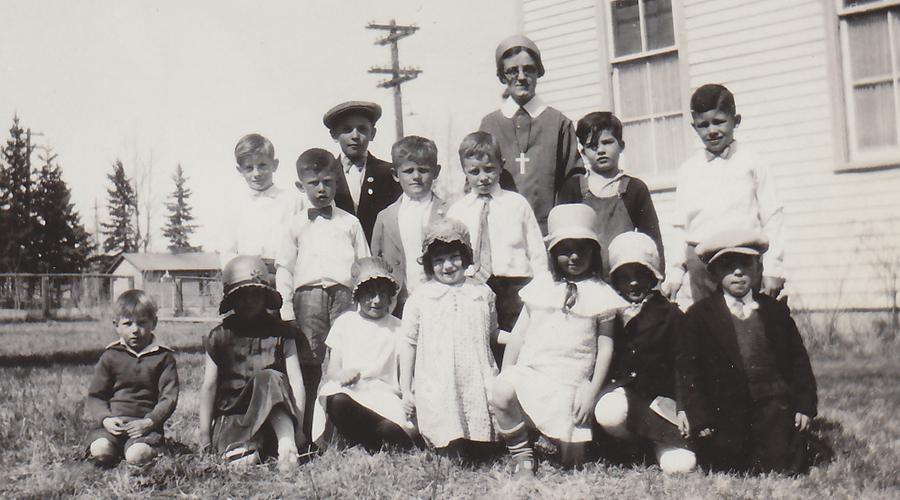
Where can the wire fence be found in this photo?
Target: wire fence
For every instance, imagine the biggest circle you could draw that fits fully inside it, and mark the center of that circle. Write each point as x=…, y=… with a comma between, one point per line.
x=26, y=297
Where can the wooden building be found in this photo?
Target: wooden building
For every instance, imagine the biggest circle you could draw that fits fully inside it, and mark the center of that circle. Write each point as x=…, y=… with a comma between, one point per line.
x=817, y=83
x=182, y=284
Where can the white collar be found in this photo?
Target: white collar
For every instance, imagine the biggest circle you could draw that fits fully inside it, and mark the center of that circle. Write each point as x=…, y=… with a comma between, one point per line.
x=153, y=346
x=347, y=164
x=534, y=107
x=269, y=192
x=406, y=200
x=726, y=153
x=748, y=304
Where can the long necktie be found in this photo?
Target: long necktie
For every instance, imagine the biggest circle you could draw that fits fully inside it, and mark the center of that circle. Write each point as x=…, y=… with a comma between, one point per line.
x=484, y=239
x=522, y=122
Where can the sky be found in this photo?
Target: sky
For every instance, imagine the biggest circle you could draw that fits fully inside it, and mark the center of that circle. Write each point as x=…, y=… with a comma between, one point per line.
x=157, y=84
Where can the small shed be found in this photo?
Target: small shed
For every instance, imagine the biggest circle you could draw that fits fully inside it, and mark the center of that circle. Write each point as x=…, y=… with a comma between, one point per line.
x=182, y=284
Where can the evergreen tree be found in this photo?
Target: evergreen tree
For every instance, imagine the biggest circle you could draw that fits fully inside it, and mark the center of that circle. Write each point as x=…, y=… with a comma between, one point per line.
x=179, y=229
x=120, y=230
x=16, y=223
x=61, y=244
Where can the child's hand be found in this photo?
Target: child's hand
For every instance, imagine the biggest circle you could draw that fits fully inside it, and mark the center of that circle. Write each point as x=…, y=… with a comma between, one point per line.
x=772, y=286
x=683, y=425
x=113, y=425
x=801, y=422
x=347, y=377
x=138, y=428
x=585, y=400
x=706, y=432
x=670, y=288
x=409, y=404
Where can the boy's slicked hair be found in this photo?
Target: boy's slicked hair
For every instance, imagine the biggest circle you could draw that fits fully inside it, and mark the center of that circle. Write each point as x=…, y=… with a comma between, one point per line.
x=593, y=124
x=314, y=161
x=713, y=96
x=253, y=144
x=419, y=150
x=480, y=145
x=135, y=305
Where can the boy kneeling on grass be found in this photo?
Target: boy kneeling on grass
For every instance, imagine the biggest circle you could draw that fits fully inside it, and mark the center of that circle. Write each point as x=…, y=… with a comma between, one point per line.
x=134, y=389
x=747, y=386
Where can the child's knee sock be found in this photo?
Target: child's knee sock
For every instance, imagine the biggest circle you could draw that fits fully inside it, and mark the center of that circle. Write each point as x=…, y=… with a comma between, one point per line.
x=518, y=443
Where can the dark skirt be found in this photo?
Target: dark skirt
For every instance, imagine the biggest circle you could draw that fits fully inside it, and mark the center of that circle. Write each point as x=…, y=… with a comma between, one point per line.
x=241, y=423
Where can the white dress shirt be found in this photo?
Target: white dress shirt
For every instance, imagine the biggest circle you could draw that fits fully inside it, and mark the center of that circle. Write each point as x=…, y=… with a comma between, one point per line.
x=354, y=175
x=517, y=246
x=734, y=189
x=412, y=217
x=256, y=221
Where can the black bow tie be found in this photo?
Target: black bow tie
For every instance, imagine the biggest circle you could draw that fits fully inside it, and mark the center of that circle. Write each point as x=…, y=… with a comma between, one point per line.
x=325, y=212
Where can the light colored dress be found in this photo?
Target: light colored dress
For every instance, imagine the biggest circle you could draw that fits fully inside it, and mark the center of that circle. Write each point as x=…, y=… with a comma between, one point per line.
x=559, y=352
x=451, y=327
x=369, y=346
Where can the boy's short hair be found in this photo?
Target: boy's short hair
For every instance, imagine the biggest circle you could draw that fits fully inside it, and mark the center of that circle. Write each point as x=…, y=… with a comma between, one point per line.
x=593, y=124
x=478, y=145
x=136, y=305
x=252, y=144
x=713, y=96
x=314, y=161
x=419, y=150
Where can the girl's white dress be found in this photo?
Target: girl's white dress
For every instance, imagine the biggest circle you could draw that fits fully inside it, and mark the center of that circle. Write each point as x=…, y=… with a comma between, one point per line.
x=369, y=346
x=450, y=325
x=559, y=352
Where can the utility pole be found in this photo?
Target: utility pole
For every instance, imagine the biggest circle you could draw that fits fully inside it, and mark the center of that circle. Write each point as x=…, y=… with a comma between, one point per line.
x=398, y=76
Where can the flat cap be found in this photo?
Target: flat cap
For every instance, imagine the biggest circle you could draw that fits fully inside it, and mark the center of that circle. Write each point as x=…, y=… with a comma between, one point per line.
x=743, y=241
x=368, y=108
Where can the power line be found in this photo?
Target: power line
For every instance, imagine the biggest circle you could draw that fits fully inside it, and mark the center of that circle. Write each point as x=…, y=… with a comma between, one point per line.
x=398, y=75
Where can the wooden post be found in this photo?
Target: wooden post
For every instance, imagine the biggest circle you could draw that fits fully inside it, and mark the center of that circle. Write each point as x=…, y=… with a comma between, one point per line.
x=45, y=297
x=178, y=298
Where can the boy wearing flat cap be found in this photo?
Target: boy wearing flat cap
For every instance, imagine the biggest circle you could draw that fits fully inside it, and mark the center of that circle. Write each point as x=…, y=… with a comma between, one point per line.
x=747, y=386
x=365, y=186
x=538, y=142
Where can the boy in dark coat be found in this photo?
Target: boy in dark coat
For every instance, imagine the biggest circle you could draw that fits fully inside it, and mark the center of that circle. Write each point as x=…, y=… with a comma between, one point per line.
x=639, y=402
x=365, y=186
x=747, y=385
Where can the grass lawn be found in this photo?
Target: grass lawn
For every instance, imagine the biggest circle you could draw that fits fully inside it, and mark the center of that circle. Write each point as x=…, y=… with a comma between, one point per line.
x=44, y=373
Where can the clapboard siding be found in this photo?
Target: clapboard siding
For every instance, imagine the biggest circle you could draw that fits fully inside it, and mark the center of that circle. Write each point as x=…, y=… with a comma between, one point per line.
x=778, y=57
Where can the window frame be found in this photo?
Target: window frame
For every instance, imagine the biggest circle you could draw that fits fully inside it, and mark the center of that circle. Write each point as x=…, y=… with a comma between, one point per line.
x=858, y=159
x=658, y=181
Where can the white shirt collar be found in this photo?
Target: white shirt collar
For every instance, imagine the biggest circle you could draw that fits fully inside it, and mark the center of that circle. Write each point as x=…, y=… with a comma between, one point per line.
x=153, y=346
x=534, y=107
x=406, y=200
x=347, y=164
x=269, y=192
x=748, y=306
x=726, y=153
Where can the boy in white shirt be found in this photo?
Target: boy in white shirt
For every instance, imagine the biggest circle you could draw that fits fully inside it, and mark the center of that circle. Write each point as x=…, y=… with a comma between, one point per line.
x=256, y=219
x=725, y=186
x=400, y=227
x=508, y=245
x=314, y=260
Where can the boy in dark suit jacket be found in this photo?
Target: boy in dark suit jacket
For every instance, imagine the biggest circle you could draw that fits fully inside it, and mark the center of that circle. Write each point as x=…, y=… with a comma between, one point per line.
x=639, y=402
x=748, y=388
x=399, y=228
x=366, y=186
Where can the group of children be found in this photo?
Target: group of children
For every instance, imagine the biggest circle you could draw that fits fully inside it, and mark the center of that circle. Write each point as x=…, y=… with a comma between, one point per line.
x=492, y=319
